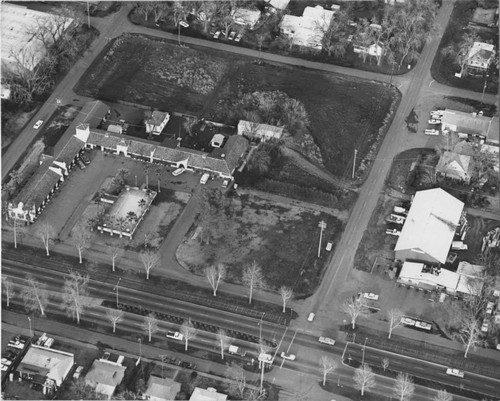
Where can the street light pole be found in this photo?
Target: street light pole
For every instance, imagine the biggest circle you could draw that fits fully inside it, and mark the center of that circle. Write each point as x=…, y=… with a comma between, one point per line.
x=116, y=289
x=260, y=327
x=364, y=347
x=354, y=163
x=31, y=332
x=322, y=226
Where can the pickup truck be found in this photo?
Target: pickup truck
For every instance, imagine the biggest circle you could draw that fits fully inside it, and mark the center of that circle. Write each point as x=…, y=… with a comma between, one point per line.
x=233, y=349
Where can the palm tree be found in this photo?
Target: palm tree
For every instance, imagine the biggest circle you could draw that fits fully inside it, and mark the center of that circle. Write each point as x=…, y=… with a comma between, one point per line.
x=142, y=203
x=132, y=216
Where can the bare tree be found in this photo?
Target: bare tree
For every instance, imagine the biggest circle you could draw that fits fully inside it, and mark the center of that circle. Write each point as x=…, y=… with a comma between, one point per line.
x=46, y=233
x=385, y=363
x=459, y=52
x=355, y=307
x=286, y=293
x=149, y=260
x=17, y=228
x=238, y=381
x=115, y=253
x=403, y=387
x=81, y=239
x=328, y=365
x=364, y=378
x=252, y=278
x=215, y=274
x=150, y=325
x=469, y=333
x=227, y=23
x=188, y=331
x=145, y=8
x=443, y=395
x=394, y=315
x=35, y=296
x=224, y=340
x=334, y=34
x=75, y=294
x=114, y=316
x=9, y=288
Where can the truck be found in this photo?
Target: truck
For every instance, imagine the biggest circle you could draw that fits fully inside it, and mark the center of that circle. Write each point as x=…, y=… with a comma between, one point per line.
x=234, y=350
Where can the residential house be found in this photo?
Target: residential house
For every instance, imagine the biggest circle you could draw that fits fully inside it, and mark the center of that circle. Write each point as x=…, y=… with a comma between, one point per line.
x=455, y=166
x=433, y=278
x=264, y=132
x=480, y=57
x=471, y=125
x=104, y=376
x=246, y=17
x=309, y=29
x=159, y=389
x=430, y=227
x=46, y=366
x=279, y=4
x=156, y=121
x=20, y=48
x=210, y=394
x=38, y=191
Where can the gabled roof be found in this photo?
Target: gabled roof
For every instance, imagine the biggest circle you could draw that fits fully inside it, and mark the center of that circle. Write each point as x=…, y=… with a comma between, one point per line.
x=47, y=362
x=454, y=164
x=164, y=389
x=480, y=55
x=200, y=394
x=156, y=117
x=467, y=123
x=107, y=374
x=431, y=223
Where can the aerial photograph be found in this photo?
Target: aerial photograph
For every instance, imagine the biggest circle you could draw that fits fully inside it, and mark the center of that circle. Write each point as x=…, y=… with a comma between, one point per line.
x=259, y=200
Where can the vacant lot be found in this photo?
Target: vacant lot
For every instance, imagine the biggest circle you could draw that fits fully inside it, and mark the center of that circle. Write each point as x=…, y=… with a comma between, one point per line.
x=344, y=114
x=283, y=239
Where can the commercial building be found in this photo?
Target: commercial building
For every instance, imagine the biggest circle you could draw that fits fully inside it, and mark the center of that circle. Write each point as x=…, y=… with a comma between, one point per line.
x=471, y=125
x=430, y=227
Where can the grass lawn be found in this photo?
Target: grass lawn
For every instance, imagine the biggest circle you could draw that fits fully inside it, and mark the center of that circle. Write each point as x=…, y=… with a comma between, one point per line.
x=206, y=82
x=283, y=239
x=443, y=70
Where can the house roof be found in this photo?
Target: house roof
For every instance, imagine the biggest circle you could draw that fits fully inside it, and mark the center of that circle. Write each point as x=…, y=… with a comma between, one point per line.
x=200, y=394
x=279, y=4
x=308, y=29
x=468, y=269
x=17, y=22
x=105, y=376
x=47, y=362
x=454, y=164
x=156, y=117
x=246, y=128
x=246, y=16
x=163, y=389
x=480, y=55
x=468, y=123
x=431, y=222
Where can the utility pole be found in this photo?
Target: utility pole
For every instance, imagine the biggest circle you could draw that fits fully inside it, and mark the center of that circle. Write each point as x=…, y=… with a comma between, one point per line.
x=31, y=332
x=260, y=327
x=354, y=163
x=484, y=88
x=322, y=226
x=364, y=347
x=88, y=14
x=116, y=289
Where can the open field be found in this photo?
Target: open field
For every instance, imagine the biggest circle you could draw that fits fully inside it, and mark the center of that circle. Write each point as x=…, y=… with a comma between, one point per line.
x=206, y=83
x=282, y=239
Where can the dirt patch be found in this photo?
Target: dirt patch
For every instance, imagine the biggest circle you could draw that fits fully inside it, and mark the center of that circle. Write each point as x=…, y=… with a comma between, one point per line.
x=208, y=89
x=282, y=238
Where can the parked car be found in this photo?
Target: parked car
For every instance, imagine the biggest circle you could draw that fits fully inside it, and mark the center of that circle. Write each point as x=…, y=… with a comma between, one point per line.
x=38, y=124
x=175, y=335
x=184, y=24
x=459, y=246
x=217, y=34
x=434, y=121
x=393, y=231
x=290, y=357
x=373, y=297
x=106, y=356
x=310, y=318
x=489, y=308
x=329, y=246
x=80, y=163
x=407, y=321
x=327, y=340
x=431, y=132
x=485, y=327
x=423, y=325
x=233, y=349
x=78, y=372
x=84, y=158
x=439, y=113
x=204, y=178
x=455, y=372
x=238, y=37
x=232, y=35
x=225, y=183
x=179, y=171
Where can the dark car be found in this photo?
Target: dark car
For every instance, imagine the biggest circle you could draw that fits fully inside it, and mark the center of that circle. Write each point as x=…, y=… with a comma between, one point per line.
x=80, y=163
x=84, y=158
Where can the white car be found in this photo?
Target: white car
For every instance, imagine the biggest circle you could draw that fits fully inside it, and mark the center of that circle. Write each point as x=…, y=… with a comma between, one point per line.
x=407, y=321
x=423, y=325
x=204, y=178
x=455, y=372
x=175, y=335
x=373, y=297
x=327, y=340
x=179, y=171
x=38, y=124
x=484, y=327
x=225, y=183
x=216, y=35
x=6, y=362
x=489, y=308
x=393, y=232
x=78, y=372
x=439, y=113
x=184, y=24
x=232, y=35
x=238, y=37
x=290, y=357
x=310, y=318
x=434, y=121
x=4, y=367
x=431, y=132
x=329, y=246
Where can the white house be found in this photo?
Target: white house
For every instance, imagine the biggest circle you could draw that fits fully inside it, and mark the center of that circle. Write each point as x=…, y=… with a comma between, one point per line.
x=155, y=122
x=245, y=16
x=480, y=57
x=265, y=132
x=430, y=227
x=46, y=366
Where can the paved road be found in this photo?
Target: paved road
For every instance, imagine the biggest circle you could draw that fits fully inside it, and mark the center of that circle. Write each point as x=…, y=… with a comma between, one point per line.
x=325, y=299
